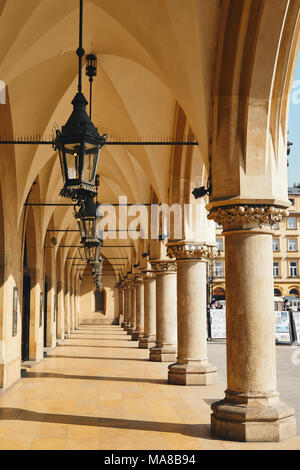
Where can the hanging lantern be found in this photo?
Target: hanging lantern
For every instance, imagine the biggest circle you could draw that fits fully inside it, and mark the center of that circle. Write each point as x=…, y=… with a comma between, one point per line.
x=79, y=142
x=79, y=145
x=88, y=218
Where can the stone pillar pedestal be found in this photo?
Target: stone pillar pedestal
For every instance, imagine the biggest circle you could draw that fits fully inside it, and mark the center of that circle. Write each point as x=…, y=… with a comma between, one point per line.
x=147, y=341
x=251, y=409
x=192, y=366
x=166, y=312
x=139, y=331
x=132, y=327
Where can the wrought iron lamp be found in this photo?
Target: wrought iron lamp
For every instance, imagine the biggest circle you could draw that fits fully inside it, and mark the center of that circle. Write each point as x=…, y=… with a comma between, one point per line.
x=79, y=142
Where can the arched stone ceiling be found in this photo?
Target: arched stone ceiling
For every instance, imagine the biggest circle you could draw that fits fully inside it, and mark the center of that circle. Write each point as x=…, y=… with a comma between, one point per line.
x=152, y=54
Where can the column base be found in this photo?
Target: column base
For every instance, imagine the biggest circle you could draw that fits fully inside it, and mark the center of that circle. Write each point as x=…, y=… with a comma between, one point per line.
x=135, y=335
x=192, y=373
x=254, y=421
x=163, y=354
x=130, y=330
x=147, y=342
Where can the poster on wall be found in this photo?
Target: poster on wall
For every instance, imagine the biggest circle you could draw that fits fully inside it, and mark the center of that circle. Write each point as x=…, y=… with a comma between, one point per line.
x=15, y=312
x=283, y=333
x=218, y=323
x=296, y=317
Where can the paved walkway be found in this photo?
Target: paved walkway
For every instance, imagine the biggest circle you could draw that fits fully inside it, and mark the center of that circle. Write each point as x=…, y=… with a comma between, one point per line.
x=99, y=391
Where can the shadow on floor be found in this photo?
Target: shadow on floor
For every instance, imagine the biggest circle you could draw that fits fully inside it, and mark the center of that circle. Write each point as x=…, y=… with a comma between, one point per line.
x=91, y=346
x=53, y=375
x=99, y=338
x=55, y=356
x=193, y=430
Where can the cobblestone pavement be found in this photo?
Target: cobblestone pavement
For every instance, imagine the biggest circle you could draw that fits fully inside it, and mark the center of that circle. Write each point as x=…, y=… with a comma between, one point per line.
x=288, y=373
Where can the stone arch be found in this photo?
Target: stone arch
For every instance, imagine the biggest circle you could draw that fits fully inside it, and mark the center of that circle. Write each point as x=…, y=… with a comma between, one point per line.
x=252, y=85
x=277, y=292
x=294, y=291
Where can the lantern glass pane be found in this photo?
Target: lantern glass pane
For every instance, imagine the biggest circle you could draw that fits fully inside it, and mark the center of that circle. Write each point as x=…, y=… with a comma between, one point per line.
x=72, y=153
x=63, y=168
x=81, y=226
x=90, y=228
x=90, y=163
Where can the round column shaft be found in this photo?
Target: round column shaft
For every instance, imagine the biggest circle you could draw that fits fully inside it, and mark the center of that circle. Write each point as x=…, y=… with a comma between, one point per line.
x=192, y=366
x=147, y=341
x=166, y=312
x=128, y=302
x=132, y=310
x=139, y=330
x=251, y=410
x=125, y=307
x=121, y=306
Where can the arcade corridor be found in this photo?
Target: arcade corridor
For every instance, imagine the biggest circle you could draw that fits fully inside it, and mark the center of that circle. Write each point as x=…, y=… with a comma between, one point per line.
x=99, y=391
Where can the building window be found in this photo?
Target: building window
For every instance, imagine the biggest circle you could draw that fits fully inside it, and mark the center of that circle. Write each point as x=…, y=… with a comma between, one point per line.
x=220, y=244
x=275, y=244
x=292, y=222
x=293, y=269
x=219, y=271
x=276, y=226
x=294, y=292
x=292, y=201
x=276, y=269
x=277, y=293
x=292, y=244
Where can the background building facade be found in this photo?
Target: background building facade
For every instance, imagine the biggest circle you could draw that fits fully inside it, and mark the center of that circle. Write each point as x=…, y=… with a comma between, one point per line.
x=286, y=253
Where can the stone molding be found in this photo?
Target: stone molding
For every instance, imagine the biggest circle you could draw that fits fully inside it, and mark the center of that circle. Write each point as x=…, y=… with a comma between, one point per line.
x=247, y=216
x=148, y=275
x=163, y=266
x=189, y=251
x=138, y=278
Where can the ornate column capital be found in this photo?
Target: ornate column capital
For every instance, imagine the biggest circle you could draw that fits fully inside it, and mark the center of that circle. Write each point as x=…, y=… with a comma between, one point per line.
x=163, y=266
x=138, y=278
x=248, y=216
x=188, y=251
x=148, y=275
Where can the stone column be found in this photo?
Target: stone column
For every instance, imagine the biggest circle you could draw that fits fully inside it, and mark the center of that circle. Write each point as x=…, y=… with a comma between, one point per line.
x=166, y=312
x=132, y=309
x=124, y=323
x=251, y=409
x=121, y=305
x=192, y=366
x=128, y=306
x=139, y=330
x=147, y=341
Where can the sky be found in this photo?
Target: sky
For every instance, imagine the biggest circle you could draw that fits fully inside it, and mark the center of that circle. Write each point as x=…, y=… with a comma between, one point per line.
x=294, y=130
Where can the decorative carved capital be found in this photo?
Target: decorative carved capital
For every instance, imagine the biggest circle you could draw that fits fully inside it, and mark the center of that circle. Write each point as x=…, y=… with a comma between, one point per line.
x=163, y=266
x=247, y=216
x=138, y=278
x=191, y=251
x=148, y=275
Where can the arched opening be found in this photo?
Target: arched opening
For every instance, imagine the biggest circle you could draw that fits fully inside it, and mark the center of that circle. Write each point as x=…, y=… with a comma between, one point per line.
x=100, y=301
x=218, y=293
x=294, y=292
x=46, y=289
x=26, y=305
x=29, y=279
x=277, y=292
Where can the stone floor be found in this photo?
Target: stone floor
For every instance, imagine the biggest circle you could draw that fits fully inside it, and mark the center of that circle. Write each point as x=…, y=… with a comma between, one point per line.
x=99, y=391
